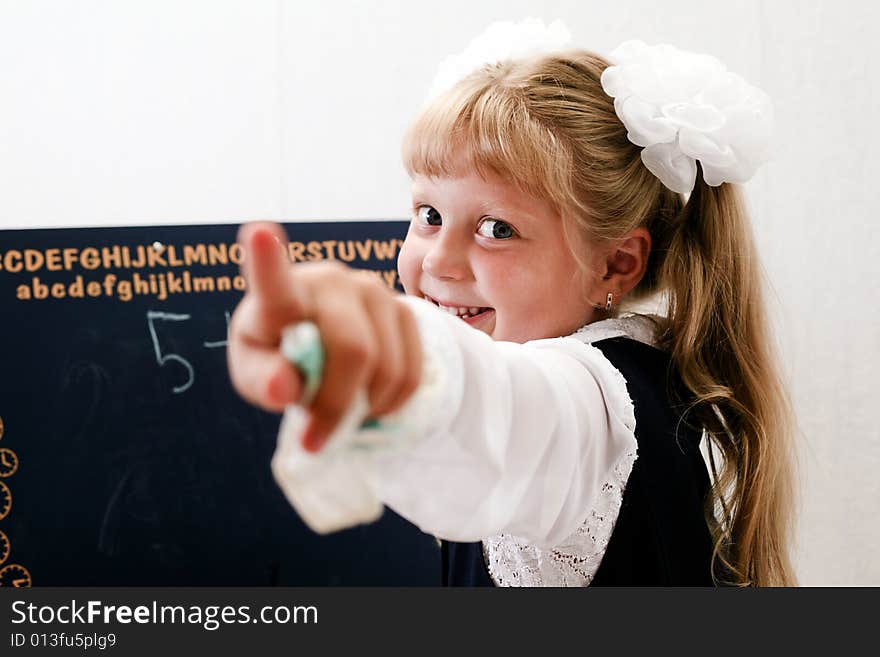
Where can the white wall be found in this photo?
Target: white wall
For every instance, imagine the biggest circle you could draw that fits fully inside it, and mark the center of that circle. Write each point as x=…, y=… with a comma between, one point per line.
x=160, y=111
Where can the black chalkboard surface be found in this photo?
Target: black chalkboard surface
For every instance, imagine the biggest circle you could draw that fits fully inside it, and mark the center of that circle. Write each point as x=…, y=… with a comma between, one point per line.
x=126, y=458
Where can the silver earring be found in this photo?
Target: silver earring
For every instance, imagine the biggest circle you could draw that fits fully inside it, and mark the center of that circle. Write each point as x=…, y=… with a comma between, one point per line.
x=609, y=302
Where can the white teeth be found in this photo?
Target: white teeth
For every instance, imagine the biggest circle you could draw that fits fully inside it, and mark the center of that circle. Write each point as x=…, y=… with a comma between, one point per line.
x=449, y=309
x=459, y=311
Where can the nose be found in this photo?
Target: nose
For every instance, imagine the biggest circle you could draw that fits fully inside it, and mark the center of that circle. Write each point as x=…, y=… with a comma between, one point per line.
x=446, y=258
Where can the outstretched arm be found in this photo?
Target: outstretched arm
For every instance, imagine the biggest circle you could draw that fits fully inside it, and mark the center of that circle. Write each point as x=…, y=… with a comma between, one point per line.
x=490, y=436
x=521, y=440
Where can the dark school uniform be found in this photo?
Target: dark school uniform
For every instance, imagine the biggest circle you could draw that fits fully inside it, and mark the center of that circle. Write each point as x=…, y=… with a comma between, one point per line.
x=660, y=536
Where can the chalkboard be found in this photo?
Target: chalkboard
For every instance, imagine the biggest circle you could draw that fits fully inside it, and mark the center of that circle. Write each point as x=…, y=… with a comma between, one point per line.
x=126, y=458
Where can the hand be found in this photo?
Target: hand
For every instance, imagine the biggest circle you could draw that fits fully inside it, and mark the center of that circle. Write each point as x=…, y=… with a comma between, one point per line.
x=370, y=338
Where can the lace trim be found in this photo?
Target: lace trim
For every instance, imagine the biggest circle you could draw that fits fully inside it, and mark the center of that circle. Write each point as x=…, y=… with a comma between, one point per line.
x=512, y=562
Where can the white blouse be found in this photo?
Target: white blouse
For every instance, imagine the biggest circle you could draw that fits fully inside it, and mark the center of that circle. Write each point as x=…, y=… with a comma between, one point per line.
x=525, y=447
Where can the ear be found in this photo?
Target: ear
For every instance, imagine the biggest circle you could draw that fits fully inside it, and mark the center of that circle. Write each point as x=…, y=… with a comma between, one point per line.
x=627, y=261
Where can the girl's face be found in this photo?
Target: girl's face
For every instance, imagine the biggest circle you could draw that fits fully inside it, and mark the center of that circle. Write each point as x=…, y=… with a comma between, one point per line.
x=497, y=257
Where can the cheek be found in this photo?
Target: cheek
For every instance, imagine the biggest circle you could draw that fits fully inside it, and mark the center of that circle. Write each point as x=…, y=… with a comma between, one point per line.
x=516, y=283
x=540, y=299
x=513, y=291
x=409, y=265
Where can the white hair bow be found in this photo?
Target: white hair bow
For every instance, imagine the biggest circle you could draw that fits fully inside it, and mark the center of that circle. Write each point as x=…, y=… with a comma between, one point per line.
x=683, y=107
x=500, y=41
x=679, y=106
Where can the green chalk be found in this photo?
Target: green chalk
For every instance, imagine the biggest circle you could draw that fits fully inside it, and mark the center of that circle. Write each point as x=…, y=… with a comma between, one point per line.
x=301, y=345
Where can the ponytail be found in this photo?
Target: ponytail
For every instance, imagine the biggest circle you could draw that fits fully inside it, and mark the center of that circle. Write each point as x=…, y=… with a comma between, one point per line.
x=719, y=337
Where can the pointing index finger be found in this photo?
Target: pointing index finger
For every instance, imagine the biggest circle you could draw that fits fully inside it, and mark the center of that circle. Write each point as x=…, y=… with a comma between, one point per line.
x=266, y=267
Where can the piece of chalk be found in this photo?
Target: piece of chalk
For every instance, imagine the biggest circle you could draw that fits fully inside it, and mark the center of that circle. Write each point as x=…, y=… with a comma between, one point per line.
x=301, y=345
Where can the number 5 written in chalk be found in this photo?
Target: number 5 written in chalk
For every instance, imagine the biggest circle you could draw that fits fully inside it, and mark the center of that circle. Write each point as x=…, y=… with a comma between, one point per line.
x=169, y=317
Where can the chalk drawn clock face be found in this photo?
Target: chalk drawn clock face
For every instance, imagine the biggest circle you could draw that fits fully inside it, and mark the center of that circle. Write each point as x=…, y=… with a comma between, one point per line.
x=5, y=500
x=8, y=462
x=15, y=576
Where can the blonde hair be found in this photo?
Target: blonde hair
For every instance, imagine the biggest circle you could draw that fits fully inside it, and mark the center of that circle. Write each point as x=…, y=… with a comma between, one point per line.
x=546, y=124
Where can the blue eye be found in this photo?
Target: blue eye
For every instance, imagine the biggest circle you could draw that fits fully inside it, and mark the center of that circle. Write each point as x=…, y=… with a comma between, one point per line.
x=496, y=229
x=429, y=216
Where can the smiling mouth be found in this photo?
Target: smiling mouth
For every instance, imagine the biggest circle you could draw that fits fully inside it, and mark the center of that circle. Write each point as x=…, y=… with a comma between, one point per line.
x=465, y=312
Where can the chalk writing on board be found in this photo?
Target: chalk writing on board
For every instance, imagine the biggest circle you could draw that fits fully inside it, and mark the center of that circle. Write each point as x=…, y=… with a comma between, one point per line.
x=219, y=343
x=153, y=315
x=162, y=359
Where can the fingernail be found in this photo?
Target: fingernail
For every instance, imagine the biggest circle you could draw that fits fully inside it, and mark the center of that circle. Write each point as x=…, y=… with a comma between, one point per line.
x=265, y=241
x=279, y=388
x=313, y=439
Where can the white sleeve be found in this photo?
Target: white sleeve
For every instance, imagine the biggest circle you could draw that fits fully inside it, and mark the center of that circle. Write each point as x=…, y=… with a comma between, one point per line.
x=500, y=438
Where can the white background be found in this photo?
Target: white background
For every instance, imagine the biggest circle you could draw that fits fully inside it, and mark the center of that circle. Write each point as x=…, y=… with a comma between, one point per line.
x=160, y=111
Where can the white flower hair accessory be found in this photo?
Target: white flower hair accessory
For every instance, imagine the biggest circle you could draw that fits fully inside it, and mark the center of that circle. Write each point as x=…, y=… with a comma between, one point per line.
x=683, y=107
x=500, y=41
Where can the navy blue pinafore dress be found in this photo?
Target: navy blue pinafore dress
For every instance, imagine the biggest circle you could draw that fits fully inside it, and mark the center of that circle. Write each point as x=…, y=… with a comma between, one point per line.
x=660, y=537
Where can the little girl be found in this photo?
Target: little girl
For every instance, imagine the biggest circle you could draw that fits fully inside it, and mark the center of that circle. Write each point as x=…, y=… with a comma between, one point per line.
x=547, y=436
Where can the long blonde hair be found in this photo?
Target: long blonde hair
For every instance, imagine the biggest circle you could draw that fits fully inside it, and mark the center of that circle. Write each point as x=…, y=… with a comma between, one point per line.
x=547, y=125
